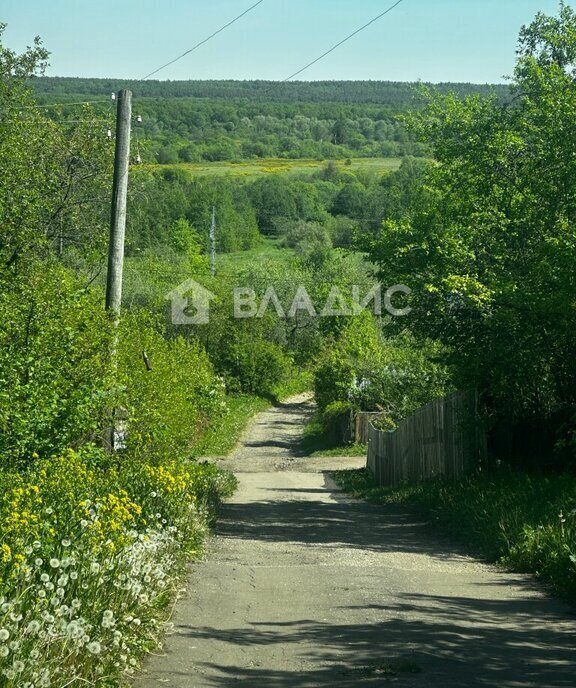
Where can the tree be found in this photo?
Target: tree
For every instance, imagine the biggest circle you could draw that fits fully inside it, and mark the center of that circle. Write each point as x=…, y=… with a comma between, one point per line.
x=490, y=248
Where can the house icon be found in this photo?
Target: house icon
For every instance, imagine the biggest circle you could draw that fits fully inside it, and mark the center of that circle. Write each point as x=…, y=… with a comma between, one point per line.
x=190, y=303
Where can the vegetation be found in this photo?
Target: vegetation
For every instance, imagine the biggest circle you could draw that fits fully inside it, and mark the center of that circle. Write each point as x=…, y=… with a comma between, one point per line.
x=486, y=241
x=524, y=521
x=473, y=210
x=191, y=122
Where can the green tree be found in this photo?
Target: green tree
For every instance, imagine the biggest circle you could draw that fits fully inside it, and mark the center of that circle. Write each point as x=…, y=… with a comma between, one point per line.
x=490, y=247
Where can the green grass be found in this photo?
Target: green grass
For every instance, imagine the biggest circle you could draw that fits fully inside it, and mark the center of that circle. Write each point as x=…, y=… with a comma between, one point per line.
x=221, y=439
x=268, y=251
x=524, y=521
x=343, y=450
x=323, y=437
x=257, y=168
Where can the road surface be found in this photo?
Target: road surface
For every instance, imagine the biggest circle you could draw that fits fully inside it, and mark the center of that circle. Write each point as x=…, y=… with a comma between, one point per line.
x=304, y=586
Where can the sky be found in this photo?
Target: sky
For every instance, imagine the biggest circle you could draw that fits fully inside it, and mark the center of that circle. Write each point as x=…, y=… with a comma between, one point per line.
x=428, y=40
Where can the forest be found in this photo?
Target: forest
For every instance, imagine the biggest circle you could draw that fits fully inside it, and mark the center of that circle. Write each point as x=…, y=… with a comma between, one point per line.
x=477, y=216
x=193, y=121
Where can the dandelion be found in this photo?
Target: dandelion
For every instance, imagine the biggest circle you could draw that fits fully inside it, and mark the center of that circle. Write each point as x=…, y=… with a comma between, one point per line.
x=55, y=563
x=33, y=627
x=4, y=634
x=14, y=645
x=94, y=567
x=75, y=630
x=94, y=647
x=38, y=562
x=18, y=667
x=44, y=577
x=4, y=651
x=66, y=543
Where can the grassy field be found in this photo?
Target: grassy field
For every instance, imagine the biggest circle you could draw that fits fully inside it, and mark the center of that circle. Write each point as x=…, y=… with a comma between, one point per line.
x=269, y=251
x=256, y=168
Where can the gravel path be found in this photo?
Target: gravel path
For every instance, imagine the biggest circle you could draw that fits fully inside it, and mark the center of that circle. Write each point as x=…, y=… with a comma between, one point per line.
x=306, y=587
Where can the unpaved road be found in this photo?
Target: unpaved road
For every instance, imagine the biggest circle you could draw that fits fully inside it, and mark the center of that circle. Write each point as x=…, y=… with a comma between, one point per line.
x=305, y=587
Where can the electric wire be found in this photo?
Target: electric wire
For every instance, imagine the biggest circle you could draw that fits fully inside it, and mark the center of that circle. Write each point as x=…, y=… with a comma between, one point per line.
x=202, y=42
x=344, y=40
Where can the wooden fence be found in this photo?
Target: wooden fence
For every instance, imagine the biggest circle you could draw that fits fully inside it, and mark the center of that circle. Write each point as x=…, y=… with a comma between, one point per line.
x=440, y=439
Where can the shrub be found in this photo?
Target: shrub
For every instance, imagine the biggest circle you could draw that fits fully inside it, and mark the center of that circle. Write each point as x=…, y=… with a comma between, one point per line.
x=54, y=363
x=171, y=405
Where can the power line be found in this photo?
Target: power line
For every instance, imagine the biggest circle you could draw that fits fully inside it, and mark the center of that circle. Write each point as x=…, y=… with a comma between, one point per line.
x=205, y=40
x=333, y=48
x=51, y=105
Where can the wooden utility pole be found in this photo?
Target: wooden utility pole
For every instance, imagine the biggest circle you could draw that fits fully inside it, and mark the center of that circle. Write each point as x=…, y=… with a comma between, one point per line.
x=116, y=241
x=119, y=196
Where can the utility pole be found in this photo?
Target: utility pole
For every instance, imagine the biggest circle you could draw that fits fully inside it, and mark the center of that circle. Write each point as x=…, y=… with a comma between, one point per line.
x=116, y=241
x=119, y=196
x=213, y=243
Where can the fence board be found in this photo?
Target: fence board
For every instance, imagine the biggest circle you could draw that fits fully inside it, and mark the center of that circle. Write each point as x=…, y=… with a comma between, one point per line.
x=440, y=439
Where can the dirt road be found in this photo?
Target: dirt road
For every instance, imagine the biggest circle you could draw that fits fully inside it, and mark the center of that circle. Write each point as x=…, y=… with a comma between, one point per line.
x=305, y=587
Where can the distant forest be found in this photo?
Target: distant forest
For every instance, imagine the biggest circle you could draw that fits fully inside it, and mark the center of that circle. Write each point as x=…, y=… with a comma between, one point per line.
x=195, y=121
x=395, y=94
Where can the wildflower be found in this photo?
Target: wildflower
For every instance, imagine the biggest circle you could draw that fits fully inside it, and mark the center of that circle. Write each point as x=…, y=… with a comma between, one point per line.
x=18, y=666
x=4, y=651
x=44, y=577
x=4, y=634
x=55, y=563
x=33, y=627
x=74, y=630
x=66, y=543
x=94, y=647
x=38, y=562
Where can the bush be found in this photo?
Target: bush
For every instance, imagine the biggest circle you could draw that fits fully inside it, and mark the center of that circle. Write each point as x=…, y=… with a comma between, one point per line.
x=257, y=366
x=169, y=407
x=55, y=369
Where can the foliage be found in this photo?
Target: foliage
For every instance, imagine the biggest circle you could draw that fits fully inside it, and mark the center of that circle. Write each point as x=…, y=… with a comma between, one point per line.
x=329, y=428
x=75, y=526
x=54, y=363
x=525, y=521
x=392, y=375
x=52, y=174
x=170, y=406
x=488, y=247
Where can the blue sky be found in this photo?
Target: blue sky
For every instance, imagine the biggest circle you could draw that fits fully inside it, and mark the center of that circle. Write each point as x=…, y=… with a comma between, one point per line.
x=432, y=40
